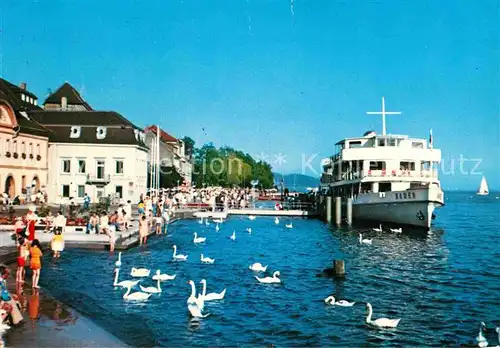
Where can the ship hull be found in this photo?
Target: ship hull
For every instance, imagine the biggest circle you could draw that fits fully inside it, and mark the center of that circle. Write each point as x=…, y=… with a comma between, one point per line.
x=417, y=214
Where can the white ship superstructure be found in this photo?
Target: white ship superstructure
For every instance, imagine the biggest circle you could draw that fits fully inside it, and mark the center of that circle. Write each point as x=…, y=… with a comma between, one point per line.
x=391, y=178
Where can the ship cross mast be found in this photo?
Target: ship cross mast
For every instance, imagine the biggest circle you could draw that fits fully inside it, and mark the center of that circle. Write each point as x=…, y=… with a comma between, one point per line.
x=383, y=113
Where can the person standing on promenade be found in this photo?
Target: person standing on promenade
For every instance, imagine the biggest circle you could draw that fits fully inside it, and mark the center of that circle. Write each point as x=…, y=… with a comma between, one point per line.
x=36, y=264
x=140, y=207
x=112, y=238
x=31, y=219
x=57, y=243
x=86, y=201
x=158, y=222
x=143, y=230
x=59, y=222
x=128, y=212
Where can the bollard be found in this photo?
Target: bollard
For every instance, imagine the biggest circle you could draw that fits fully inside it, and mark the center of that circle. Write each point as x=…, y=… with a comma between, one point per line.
x=349, y=211
x=339, y=268
x=328, y=209
x=338, y=211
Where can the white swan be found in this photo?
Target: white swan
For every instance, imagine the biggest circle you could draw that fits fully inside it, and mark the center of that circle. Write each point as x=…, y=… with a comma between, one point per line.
x=213, y=295
x=152, y=289
x=206, y=259
x=217, y=227
x=276, y=220
x=178, y=257
x=198, y=239
x=119, y=262
x=124, y=283
x=396, y=230
x=269, y=280
x=200, y=221
x=233, y=236
x=379, y=229
x=136, y=296
x=380, y=322
x=163, y=277
x=206, y=222
x=219, y=220
x=343, y=303
x=192, y=299
x=249, y=230
x=290, y=225
x=257, y=267
x=364, y=241
x=140, y=272
x=251, y=217
x=196, y=312
x=481, y=340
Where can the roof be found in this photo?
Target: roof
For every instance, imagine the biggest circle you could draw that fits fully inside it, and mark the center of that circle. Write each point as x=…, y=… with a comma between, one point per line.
x=71, y=94
x=164, y=136
x=114, y=135
x=81, y=118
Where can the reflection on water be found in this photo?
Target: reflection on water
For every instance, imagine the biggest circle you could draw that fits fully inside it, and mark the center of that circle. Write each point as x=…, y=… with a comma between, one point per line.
x=438, y=283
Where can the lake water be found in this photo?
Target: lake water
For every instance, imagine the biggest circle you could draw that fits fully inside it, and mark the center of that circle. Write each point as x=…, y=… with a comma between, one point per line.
x=441, y=285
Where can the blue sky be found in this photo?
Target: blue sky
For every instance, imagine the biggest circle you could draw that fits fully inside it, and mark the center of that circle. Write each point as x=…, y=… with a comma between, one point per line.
x=265, y=79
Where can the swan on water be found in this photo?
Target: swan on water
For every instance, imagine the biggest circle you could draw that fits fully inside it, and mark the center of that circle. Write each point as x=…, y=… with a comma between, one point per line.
x=379, y=229
x=198, y=239
x=140, y=272
x=163, y=277
x=343, y=303
x=152, y=289
x=192, y=299
x=119, y=262
x=178, y=257
x=136, y=296
x=481, y=340
x=276, y=220
x=213, y=295
x=233, y=236
x=200, y=221
x=124, y=283
x=217, y=227
x=206, y=259
x=257, y=267
x=396, y=230
x=249, y=230
x=380, y=322
x=206, y=222
x=219, y=220
x=270, y=280
x=196, y=312
x=364, y=241
x=251, y=217
x=290, y=225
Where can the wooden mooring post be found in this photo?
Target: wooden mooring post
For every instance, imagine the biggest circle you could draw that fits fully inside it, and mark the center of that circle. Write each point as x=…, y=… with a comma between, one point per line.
x=338, y=211
x=339, y=268
x=349, y=212
x=328, y=209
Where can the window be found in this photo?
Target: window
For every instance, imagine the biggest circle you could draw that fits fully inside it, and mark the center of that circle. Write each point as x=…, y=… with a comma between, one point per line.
x=15, y=145
x=381, y=142
x=406, y=165
x=81, y=191
x=391, y=142
x=81, y=166
x=119, y=167
x=7, y=145
x=36, y=102
x=65, y=190
x=66, y=166
x=354, y=144
x=380, y=165
x=100, y=169
x=38, y=149
x=119, y=191
x=417, y=145
x=31, y=149
x=23, y=97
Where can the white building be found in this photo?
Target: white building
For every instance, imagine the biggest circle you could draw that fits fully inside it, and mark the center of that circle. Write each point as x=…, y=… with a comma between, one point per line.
x=23, y=143
x=172, y=153
x=100, y=153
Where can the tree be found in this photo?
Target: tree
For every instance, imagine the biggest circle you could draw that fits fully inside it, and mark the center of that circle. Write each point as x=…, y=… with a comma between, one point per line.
x=189, y=146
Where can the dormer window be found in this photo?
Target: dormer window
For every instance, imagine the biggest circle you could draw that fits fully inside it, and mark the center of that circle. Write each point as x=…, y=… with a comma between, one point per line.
x=101, y=132
x=36, y=102
x=136, y=133
x=23, y=97
x=75, y=131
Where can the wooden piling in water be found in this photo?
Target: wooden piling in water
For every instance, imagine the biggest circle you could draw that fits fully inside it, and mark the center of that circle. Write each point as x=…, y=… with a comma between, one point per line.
x=339, y=268
x=328, y=209
x=349, y=211
x=338, y=211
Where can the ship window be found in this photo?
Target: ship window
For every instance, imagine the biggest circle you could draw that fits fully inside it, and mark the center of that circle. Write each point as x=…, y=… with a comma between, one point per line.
x=381, y=142
x=380, y=165
x=354, y=144
x=391, y=142
x=417, y=145
x=384, y=187
x=407, y=165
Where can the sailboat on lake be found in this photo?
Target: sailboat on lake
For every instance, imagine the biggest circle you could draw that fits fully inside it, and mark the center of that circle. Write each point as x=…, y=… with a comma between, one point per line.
x=483, y=187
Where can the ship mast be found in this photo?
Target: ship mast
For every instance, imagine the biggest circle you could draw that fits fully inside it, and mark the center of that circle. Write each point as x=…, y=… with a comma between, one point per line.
x=383, y=113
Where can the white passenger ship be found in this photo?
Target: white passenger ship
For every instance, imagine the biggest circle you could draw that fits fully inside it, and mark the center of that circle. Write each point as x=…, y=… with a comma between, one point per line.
x=391, y=178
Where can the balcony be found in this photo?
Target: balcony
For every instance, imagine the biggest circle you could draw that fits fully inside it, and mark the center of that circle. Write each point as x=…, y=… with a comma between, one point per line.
x=98, y=180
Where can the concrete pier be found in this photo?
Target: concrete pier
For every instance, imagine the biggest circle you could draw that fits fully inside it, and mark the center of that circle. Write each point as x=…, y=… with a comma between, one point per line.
x=338, y=211
x=349, y=211
x=329, y=209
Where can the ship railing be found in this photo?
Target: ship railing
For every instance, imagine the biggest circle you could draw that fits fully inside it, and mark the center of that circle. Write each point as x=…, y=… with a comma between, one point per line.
x=426, y=173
